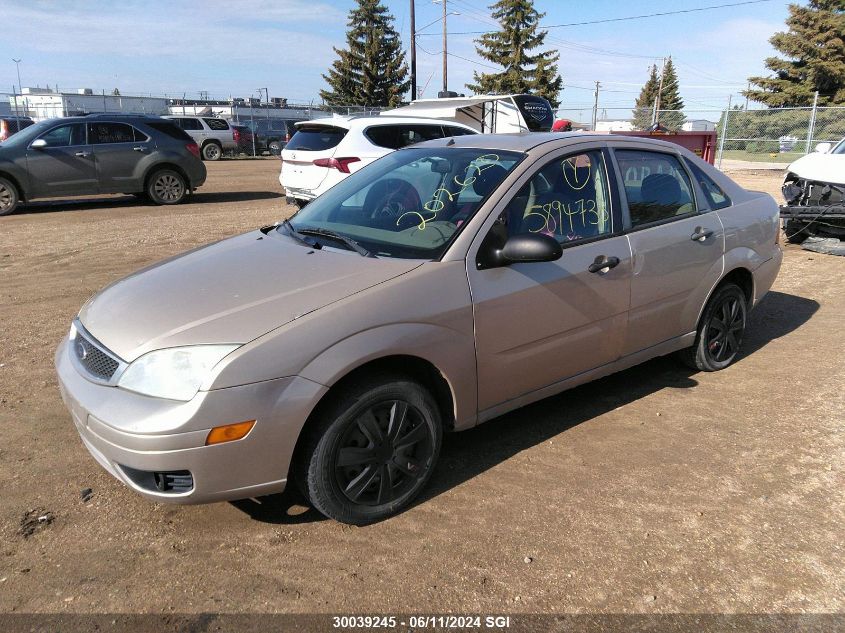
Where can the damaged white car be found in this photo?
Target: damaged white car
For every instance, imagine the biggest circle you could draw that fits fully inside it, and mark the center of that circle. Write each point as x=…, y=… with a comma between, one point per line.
x=814, y=190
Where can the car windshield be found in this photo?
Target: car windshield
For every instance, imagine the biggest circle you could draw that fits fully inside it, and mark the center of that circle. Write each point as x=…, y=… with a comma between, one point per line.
x=840, y=148
x=409, y=204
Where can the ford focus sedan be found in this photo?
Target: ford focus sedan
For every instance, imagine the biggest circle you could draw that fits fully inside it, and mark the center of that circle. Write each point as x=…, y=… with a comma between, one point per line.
x=439, y=287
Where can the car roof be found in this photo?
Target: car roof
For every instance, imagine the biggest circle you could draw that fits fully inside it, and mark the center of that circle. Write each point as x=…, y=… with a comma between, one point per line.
x=526, y=141
x=348, y=122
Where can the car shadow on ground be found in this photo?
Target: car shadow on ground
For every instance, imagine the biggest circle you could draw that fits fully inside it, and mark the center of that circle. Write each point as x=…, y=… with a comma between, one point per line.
x=468, y=454
x=111, y=202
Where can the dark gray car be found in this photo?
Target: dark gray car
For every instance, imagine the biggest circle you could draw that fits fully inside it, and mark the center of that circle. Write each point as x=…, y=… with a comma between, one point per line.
x=146, y=156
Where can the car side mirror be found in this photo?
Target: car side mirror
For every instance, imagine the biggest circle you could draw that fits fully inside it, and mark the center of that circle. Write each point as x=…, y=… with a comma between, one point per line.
x=823, y=148
x=523, y=249
x=38, y=143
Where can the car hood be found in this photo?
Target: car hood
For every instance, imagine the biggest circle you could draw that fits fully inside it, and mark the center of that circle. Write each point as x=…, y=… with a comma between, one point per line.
x=821, y=167
x=229, y=292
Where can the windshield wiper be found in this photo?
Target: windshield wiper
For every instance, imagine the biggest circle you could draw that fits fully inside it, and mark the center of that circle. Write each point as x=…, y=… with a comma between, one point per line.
x=299, y=237
x=352, y=244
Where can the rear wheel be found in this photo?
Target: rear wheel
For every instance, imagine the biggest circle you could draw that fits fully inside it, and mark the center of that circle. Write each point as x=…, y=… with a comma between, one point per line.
x=166, y=187
x=9, y=197
x=720, y=331
x=275, y=148
x=371, y=451
x=211, y=151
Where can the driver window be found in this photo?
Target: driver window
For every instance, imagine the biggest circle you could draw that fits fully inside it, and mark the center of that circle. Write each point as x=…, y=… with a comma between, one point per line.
x=65, y=136
x=566, y=199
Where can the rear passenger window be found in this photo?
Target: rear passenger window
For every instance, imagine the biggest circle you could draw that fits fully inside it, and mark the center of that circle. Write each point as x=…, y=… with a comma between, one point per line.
x=217, y=124
x=398, y=136
x=190, y=124
x=101, y=133
x=170, y=128
x=452, y=130
x=716, y=197
x=656, y=185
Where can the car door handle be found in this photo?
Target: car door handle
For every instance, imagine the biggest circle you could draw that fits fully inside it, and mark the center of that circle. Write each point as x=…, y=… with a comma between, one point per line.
x=603, y=264
x=83, y=154
x=700, y=234
x=140, y=149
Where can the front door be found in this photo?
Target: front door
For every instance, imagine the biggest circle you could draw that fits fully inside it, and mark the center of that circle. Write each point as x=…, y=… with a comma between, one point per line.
x=537, y=324
x=677, y=249
x=65, y=166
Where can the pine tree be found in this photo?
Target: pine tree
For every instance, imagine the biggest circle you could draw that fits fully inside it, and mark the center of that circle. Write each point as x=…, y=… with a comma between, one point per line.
x=510, y=46
x=371, y=71
x=814, y=50
x=644, y=105
x=671, y=104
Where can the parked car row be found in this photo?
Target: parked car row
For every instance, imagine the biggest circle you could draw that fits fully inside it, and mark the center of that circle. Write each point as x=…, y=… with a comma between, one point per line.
x=147, y=156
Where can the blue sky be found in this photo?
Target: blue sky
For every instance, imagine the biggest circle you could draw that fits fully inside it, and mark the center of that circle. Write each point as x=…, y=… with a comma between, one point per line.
x=236, y=46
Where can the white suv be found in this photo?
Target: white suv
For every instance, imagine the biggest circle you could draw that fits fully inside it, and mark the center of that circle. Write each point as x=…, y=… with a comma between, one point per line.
x=323, y=152
x=214, y=135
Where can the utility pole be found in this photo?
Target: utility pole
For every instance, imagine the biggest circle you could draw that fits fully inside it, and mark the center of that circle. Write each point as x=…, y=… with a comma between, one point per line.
x=660, y=91
x=413, y=52
x=20, y=89
x=812, y=127
x=445, y=70
x=596, y=106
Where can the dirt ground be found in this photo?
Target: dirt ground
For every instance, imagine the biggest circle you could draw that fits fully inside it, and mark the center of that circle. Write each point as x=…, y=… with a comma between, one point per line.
x=656, y=490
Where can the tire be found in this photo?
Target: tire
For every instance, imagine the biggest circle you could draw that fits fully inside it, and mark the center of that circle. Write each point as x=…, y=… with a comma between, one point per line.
x=720, y=331
x=211, y=151
x=275, y=148
x=9, y=197
x=796, y=231
x=371, y=450
x=166, y=186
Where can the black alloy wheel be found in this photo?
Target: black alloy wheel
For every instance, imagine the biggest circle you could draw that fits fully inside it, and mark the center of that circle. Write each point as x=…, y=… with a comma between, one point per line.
x=370, y=450
x=720, y=330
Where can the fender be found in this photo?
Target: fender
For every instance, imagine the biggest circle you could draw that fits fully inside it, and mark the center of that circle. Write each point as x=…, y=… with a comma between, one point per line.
x=449, y=351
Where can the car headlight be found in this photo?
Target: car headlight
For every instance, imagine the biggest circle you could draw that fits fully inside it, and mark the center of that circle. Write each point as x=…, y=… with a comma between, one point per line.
x=175, y=373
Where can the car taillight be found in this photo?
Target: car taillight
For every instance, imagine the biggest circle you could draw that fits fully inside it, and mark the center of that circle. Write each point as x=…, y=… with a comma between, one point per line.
x=193, y=148
x=341, y=164
x=236, y=135
x=4, y=131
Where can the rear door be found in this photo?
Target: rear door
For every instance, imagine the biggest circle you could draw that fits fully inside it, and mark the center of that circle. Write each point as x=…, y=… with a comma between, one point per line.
x=118, y=148
x=677, y=249
x=311, y=142
x=65, y=167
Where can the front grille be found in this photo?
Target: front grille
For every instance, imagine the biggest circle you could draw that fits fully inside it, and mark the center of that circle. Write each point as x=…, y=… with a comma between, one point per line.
x=93, y=359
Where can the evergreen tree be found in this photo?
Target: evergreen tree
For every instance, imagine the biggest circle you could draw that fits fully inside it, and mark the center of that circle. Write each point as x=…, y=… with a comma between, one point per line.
x=814, y=50
x=510, y=47
x=671, y=104
x=371, y=71
x=644, y=105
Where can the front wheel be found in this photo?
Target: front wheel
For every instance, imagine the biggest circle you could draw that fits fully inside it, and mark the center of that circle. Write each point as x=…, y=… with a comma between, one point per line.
x=796, y=231
x=9, y=197
x=371, y=451
x=275, y=148
x=166, y=187
x=720, y=331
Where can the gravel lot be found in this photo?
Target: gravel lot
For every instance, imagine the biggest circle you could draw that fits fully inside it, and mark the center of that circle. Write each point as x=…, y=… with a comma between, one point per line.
x=653, y=491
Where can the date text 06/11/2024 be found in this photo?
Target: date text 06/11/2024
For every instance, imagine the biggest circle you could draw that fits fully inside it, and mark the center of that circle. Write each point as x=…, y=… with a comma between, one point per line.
x=422, y=622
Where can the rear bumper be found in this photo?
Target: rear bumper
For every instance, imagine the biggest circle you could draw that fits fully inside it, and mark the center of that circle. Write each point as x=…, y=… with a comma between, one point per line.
x=111, y=423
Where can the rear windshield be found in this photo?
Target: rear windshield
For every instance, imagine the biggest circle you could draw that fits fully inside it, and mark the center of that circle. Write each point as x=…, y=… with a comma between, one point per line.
x=172, y=130
x=316, y=138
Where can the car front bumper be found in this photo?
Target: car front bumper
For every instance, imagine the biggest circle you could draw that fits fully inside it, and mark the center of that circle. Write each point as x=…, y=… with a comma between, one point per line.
x=140, y=440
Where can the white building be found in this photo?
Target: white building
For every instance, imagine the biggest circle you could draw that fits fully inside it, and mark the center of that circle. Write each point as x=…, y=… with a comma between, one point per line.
x=614, y=126
x=44, y=103
x=698, y=125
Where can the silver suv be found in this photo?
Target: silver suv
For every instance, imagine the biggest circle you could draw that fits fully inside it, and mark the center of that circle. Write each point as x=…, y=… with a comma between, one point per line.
x=213, y=135
x=83, y=156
